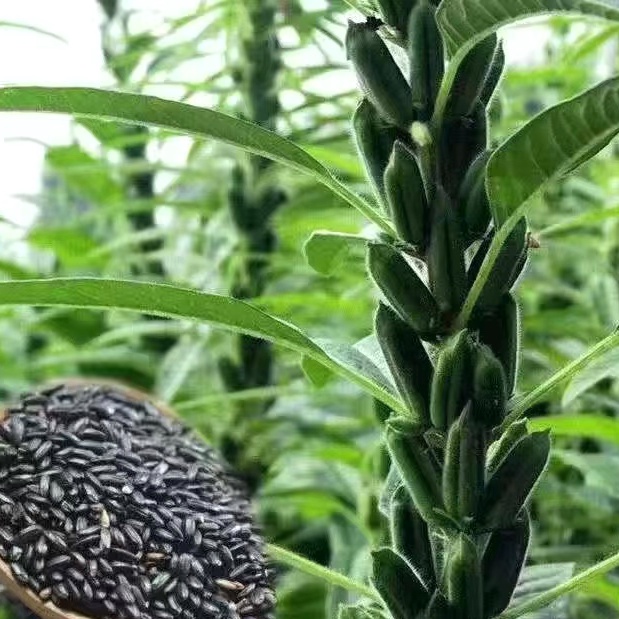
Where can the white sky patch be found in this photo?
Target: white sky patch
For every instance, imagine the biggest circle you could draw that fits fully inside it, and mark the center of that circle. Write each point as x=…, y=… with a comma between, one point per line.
x=35, y=59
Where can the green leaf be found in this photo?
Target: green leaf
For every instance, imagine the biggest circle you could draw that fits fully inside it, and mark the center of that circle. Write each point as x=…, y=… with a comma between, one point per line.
x=84, y=174
x=536, y=580
x=521, y=405
x=466, y=22
x=165, y=300
x=551, y=145
x=606, y=366
x=325, y=251
x=183, y=118
x=580, y=426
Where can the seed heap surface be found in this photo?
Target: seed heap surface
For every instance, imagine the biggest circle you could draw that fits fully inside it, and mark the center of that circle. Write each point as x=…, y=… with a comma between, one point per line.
x=111, y=509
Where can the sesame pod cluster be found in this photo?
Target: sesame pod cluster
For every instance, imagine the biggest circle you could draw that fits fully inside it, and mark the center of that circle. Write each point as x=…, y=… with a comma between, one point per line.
x=459, y=483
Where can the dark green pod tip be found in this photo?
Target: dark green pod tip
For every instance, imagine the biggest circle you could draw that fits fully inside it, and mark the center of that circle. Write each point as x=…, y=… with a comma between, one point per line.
x=473, y=200
x=493, y=77
x=410, y=536
x=445, y=257
x=417, y=466
x=427, y=58
x=502, y=564
x=504, y=444
x=463, y=580
x=396, y=12
x=505, y=271
x=462, y=140
x=500, y=330
x=379, y=75
x=398, y=584
x=471, y=78
x=403, y=289
x=375, y=139
x=406, y=196
x=463, y=468
x=513, y=481
x=408, y=361
x=451, y=385
x=489, y=388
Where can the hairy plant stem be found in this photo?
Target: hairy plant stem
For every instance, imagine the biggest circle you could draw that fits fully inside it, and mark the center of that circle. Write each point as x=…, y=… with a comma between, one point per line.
x=253, y=199
x=447, y=505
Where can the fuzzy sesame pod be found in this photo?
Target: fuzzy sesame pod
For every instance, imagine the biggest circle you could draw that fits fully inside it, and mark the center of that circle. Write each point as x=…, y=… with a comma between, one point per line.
x=502, y=564
x=398, y=584
x=410, y=536
x=463, y=469
x=513, y=481
x=501, y=332
x=406, y=196
x=445, y=257
x=396, y=12
x=417, y=466
x=505, y=270
x=489, y=388
x=408, y=361
x=504, y=444
x=471, y=78
x=403, y=289
x=379, y=75
x=495, y=72
x=375, y=140
x=462, y=140
x=473, y=200
x=427, y=58
x=463, y=580
x=451, y=384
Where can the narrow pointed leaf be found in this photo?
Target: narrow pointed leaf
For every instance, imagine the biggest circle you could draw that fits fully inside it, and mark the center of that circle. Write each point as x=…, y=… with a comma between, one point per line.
x=466, y=22
x=183, y=118
x=229, y=313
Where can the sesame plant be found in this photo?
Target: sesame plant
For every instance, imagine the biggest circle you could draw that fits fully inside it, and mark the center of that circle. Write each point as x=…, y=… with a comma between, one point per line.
x=459, y=463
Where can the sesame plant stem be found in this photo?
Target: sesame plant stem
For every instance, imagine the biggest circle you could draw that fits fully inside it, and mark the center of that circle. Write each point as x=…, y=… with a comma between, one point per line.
x=314, y=569
x=585, y=577
x=522, y=405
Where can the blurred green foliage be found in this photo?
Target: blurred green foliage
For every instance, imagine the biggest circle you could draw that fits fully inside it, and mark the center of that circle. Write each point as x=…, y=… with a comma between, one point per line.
x=115, y=204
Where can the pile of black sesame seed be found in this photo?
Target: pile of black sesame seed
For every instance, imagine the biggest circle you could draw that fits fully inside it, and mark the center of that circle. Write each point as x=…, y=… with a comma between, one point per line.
x=111, y=509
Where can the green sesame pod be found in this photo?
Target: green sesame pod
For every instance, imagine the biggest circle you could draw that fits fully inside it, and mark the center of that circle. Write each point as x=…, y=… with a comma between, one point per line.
x=451, y=383
x=471, y=78
x=398, y=584
x=379, y=75
x=513, y=481
x=408, y=361
x=375, y=140
x=417, y=467
x=502, y=446
x=495, y=72
x=505, y=270
x=463, y=469
x=427, y=58
x=489, y=388
x=396, y=12
x=502, y=564
x=406, y=195
x=462, y=140
x=500, y=330
x=410, y=536
x=463, y=580
x=445, y=257
x=473, y=199
x=403, y=289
